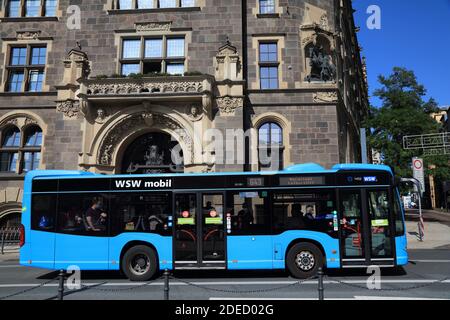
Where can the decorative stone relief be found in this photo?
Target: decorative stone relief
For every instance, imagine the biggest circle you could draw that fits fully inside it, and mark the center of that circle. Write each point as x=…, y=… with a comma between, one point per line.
x=28, y=35
x=30, y=121
x=70, y=108
x=129, y=124
x=101, y=116
x=141, y=86
x=11, y=121
x=152, y=26
x=330, y=96
x=194, y=112
x=228, y=105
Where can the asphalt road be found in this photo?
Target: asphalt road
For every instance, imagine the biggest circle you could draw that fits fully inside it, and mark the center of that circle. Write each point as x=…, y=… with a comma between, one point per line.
x=421, y=279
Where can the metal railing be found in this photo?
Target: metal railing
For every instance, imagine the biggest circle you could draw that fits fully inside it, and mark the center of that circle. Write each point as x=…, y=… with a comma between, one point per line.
x=9, y=238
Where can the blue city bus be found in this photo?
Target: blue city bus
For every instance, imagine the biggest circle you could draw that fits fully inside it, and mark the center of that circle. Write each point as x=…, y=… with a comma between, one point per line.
x=299, y=219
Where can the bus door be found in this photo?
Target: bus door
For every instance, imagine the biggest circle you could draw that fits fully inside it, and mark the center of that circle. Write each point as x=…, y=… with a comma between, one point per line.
x=366, y=226
x=199, y=237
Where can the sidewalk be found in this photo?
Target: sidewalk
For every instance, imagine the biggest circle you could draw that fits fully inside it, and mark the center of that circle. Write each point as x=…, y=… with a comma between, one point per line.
x=10, y=256
x=437, y=236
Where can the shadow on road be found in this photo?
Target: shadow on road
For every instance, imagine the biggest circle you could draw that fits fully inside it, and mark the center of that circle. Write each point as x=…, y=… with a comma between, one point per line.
x=228, y=274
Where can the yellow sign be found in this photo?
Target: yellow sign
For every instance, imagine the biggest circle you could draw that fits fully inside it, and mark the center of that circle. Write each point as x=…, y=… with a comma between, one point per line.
x=380, y=223
x=184, y=221
x=213, y=221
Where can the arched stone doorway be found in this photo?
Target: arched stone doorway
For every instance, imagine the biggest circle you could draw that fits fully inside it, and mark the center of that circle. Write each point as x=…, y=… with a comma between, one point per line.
x=153, y=152
x=10, y=215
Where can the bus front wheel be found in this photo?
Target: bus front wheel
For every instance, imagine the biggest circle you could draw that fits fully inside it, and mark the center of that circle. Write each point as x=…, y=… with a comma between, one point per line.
x=139, y=263
x=303, y=260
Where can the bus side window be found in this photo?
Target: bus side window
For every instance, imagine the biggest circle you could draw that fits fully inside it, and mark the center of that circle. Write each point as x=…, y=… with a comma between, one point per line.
x=43, y=212
x=85, y=214
x=249, y=212
x=306, y=210
x=137, y=212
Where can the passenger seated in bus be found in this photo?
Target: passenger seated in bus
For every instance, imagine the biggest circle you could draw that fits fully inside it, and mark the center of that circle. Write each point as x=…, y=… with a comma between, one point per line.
x=296, y=220
x=309, y=214
x=245, y=217
x=72, y=219
x=95, y=216
x=155, y=223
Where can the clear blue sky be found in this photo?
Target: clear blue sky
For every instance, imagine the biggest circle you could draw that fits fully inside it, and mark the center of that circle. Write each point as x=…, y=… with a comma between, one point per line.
x=414, y=34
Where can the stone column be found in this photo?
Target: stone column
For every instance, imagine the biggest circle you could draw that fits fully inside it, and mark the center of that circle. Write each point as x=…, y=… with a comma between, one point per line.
x=229, y=119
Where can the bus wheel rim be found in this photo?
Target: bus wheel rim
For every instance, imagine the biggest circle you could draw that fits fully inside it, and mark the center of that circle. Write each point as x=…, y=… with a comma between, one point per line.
x=140, y=264
x=305, y=261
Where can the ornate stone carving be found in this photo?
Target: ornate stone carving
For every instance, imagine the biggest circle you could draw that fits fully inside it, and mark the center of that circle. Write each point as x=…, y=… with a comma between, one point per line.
x=129, y=124
x=148, y=118
x=28, y=35
x=101, y=116
x=12, y=121
x=330, y=96
x=30, y=121
x=323, y=23
x=320, y=61
x=228, y=105
x=70, y=108
x=152, y=26
x=142, y=86
x=194, y=112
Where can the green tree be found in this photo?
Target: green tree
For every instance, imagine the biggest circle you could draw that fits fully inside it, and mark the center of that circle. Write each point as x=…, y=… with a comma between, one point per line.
x=404, y=112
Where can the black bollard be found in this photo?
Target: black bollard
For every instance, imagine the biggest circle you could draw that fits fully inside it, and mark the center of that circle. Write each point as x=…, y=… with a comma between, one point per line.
x=166, y=284
x=320, y=288
x=61, y=285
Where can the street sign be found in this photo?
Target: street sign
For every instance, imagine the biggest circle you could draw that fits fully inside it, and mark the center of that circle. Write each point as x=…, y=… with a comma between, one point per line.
x=418, y=172
x=427, y=141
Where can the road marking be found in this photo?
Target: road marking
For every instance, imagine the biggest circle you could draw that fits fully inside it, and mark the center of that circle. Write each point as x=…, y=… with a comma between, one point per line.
x=330, y=298
x=222, y=283
x=393, y=298
x=10, y=266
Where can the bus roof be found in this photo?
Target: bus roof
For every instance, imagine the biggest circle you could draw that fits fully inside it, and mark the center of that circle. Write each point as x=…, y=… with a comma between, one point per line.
x=307, y=168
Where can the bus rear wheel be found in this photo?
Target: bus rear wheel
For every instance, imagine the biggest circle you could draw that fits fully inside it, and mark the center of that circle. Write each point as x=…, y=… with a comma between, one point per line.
x=304, y=260
x=139, y=263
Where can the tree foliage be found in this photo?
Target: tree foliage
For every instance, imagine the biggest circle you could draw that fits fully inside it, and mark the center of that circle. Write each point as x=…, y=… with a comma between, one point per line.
x=404, y=112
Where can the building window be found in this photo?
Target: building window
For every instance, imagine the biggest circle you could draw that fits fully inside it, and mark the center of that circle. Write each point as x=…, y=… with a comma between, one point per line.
x=153, y=55
x=31, y=8
x=270, y=146
x=266, y=6
x=167, y=3
x=26, y=68
x=17, y=154
x=154, y=4
x=144, y=4
x=268, y=65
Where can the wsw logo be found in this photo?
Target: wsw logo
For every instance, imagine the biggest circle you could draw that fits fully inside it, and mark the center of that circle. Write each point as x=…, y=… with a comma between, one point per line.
x=139, y=184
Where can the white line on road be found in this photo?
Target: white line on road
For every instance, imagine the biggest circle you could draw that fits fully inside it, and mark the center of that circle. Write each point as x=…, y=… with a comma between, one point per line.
x=329, y=298
x=10, y=266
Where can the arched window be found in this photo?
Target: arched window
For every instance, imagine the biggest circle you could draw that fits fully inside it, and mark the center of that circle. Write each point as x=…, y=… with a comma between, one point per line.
x=20, y=155
x=32, y=148
x=10, y=149
x=11, y=137
x=270, y=146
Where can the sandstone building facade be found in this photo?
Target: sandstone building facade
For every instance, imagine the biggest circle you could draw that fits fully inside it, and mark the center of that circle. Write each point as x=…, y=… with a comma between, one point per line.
x=114, y=86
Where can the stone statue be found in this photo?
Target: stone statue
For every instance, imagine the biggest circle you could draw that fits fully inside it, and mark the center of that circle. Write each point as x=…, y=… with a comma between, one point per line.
x=322, y=68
